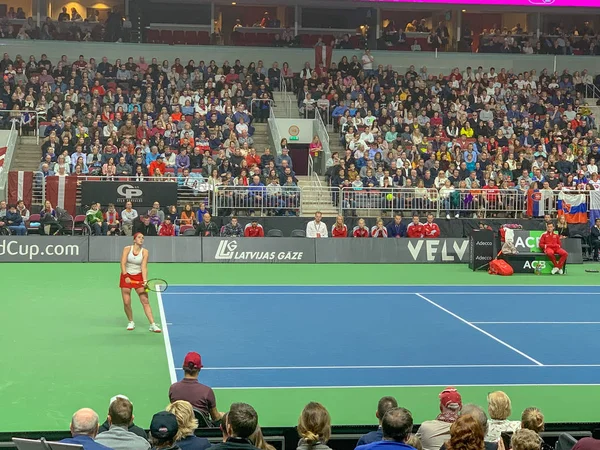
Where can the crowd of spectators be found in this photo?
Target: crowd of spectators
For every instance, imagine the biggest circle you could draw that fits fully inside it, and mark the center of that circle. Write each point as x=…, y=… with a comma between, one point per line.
x=469, y=130
x=193, y=405
x=69, y=26
x=484, y=133
x=581, y=40
x=192, y=125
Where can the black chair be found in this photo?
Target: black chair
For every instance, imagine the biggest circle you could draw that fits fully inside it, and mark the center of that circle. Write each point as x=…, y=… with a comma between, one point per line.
x=298, y=233
x=203, y=419
x=586, y=248
x=275, y=233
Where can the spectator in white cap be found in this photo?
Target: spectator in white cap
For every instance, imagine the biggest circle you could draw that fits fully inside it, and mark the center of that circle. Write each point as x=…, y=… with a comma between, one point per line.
x=434, y=433
x=118, y=436
x=133, y=427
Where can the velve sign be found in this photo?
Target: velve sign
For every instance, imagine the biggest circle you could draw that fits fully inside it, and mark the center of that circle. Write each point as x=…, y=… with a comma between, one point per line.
x=254, y=250
x=438, y=250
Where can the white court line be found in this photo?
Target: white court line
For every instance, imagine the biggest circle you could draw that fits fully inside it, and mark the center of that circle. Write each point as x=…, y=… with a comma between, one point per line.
x=466, y=322
x=537, y=323
x=235, y=388
x=297, y=293
x=440, y=366
x=433, y=366
x=376, y=285
x=165, y=332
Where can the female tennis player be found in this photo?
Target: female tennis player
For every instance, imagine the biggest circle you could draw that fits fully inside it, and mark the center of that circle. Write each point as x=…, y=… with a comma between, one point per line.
x=134, y=275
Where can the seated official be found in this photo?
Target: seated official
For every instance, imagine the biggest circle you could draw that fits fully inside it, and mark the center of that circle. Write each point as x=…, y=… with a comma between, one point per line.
x=550, y=243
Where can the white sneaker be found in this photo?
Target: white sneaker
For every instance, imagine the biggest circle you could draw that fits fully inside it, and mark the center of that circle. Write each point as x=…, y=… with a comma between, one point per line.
x=457, y=216
x=448, y=216
x=555, y=270
x=155, y=328
x=131, y=326
x=560, y=271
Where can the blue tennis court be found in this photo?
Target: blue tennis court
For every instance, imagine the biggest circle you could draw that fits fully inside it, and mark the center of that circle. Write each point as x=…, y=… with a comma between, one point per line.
x=346, y=336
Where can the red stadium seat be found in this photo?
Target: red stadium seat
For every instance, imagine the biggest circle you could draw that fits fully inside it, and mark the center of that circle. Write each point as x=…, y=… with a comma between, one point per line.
x=166, y=37
x=183, y=228
x=152, y=36
x=203, y=38
x=178, y=37
x=191, y=38
x=33, y=218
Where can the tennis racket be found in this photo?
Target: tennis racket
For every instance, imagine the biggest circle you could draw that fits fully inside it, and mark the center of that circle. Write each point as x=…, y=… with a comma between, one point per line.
x=153, y=284
x=592, y=270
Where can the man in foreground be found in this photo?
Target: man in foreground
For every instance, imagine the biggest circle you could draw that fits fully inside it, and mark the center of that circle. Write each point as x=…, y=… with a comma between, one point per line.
x=84, y=428
x=396, y=427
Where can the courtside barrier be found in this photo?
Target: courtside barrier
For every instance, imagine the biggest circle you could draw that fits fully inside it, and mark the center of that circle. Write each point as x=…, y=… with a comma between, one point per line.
x=247, y=250
x=183, y=249
x=394, y=251
x=259, y=250
x=44, y=249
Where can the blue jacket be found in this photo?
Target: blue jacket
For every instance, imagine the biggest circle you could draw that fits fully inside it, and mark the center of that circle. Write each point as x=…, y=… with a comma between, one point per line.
x=396, y=230
x=193, y=443
x=385, y=445
x=373, y=436
x=87, y=442
x=14, y=219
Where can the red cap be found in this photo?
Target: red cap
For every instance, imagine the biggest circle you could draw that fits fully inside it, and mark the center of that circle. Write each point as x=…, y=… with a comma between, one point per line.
x=192, y=361
x=450, y=398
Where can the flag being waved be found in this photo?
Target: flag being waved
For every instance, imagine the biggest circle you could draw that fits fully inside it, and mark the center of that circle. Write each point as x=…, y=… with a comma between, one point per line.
x=573, y=206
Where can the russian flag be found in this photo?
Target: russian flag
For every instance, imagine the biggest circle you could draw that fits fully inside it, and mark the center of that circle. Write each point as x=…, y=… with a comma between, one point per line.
x=572, y=206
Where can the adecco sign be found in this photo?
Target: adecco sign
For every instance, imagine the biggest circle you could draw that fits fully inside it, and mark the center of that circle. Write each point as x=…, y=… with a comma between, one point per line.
x=288, y=250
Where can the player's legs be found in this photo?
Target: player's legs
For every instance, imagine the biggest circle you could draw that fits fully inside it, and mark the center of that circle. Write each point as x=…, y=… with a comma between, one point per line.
x=147, y=309
x=126, y=294
x=563, y=257
x=550, y=253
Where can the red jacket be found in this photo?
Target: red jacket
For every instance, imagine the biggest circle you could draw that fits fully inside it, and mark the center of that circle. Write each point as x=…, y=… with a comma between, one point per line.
x=361, y=233
x=415, y=231
x=431, y=230
x=256, y=231
x=339, y=232
x=550, y=240
x=166, y=230
x=379, y=232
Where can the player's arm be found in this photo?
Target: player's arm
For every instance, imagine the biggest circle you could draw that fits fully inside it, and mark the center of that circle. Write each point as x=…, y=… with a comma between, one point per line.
x=145, y=265
x=124, y=260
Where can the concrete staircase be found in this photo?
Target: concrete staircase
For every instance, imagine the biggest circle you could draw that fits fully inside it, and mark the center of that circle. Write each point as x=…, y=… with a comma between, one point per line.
x=286, y=106
x=261, y=137
x=316, y=197
x=28, y=154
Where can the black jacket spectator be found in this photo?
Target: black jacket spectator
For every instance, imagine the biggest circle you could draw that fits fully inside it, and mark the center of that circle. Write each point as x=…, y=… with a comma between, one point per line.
x=207, y=229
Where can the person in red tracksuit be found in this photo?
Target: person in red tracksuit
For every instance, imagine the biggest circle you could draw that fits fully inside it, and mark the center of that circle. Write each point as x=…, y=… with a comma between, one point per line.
x=379, y=230
x=361, y=231
x=339, y=229
x=551, y=246
x=415, y=229
x=431, y=229
x=254, y=229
